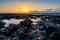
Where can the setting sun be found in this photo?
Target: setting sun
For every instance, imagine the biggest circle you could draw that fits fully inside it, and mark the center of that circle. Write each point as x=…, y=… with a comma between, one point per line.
x=25, y=10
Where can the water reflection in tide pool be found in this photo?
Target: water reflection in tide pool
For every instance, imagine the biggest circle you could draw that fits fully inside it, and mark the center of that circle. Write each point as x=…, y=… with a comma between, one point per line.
x=15, y=21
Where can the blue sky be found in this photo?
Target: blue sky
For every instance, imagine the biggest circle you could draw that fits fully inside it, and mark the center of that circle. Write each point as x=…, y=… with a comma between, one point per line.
x=46, y=4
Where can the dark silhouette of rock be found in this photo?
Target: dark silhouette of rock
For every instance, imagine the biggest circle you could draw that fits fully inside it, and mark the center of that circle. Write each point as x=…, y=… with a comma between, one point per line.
x=55, y=36
x=11, y=29
x=27, y=24
x=50, y=30
x=2, y=24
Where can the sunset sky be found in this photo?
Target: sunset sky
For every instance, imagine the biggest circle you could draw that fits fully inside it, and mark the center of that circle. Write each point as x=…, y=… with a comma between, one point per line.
x=16, y=6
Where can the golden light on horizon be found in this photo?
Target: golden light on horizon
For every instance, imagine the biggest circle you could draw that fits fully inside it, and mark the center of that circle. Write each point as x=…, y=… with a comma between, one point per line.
x=25, y=10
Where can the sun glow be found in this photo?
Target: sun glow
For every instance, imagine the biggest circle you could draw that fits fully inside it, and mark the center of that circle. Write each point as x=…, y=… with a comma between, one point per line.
x=25, y=9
